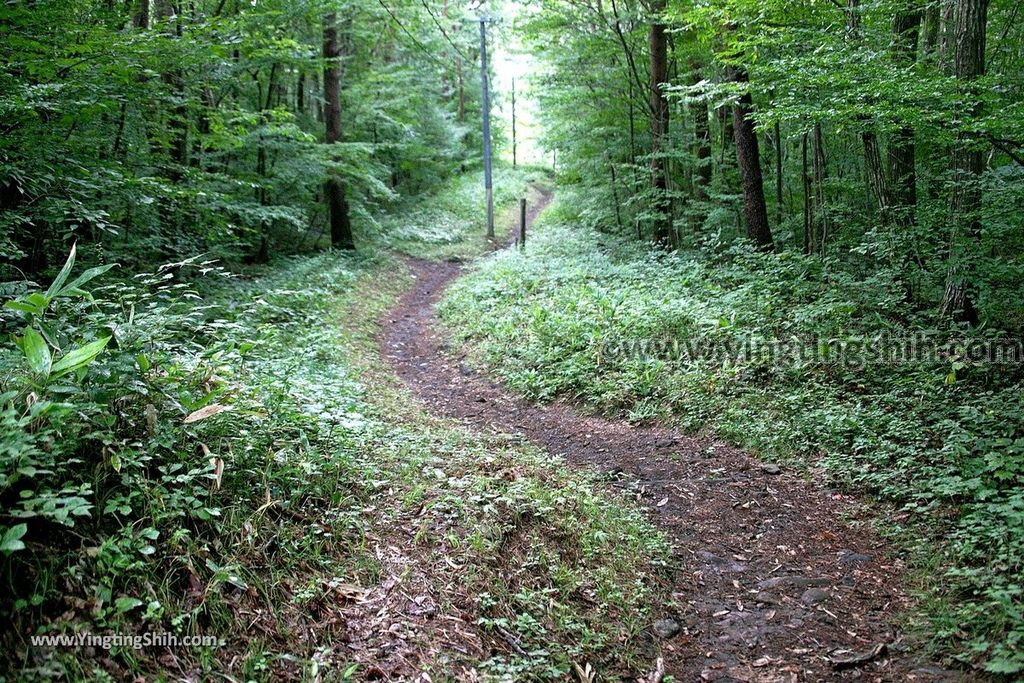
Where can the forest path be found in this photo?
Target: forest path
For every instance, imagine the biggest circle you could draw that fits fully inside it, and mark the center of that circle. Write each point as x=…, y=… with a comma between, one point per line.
x=777, y=577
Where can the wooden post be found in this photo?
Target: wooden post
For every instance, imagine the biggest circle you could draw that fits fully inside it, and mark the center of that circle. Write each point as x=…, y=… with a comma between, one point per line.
x=522, y=223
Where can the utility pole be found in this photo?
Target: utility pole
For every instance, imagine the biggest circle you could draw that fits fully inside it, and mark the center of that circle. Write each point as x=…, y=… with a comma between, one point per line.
x=513, y=123
x=488, y=188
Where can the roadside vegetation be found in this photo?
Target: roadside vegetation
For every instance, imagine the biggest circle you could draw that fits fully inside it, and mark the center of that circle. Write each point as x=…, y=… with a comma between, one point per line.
x=236, y=461
x=629, y=330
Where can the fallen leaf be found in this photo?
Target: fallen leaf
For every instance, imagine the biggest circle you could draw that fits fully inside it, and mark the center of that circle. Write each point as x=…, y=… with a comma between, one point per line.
x=203, y=413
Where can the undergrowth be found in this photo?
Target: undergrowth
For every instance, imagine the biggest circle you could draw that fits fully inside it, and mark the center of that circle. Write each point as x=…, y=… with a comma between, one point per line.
x=196, y=452
x=450, y=225
x=629, y=330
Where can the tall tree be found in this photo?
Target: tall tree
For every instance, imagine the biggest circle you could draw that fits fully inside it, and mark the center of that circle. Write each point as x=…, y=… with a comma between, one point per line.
x=334, y=187
x=748, y=155
x=902, y=149
x=968, y=66
x=701, y=141
x=659, y=125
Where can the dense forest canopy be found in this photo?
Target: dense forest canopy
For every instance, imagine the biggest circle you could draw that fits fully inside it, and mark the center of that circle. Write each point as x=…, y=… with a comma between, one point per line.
x=217, y=215
x=885, y=135
x=145, y=130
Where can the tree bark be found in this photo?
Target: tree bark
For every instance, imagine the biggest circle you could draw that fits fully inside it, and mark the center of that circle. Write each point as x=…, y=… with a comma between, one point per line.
x=968, y=160
x=701, y=144
x=902, y=150
x=820, y=216
x=875, y=174
x=808, y=215
x=143, y=16
x=748, y=156
x=334, y=187
x=778, y=171
x=658, y=41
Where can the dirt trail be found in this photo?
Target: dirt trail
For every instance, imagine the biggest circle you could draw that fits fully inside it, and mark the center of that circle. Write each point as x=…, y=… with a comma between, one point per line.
x=777, y=576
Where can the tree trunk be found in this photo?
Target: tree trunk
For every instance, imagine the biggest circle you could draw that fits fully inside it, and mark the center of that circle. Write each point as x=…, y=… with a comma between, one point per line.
x=875, y=174
x=143, y=17
x=968, y=66
x=701, y=144
x=808, y=213
x=778, y=172
x=334, y=188
x=930, y=34
x=902, y=151
x=748, y=156
x=659, y=126
x=947, y=33
x=820, y=216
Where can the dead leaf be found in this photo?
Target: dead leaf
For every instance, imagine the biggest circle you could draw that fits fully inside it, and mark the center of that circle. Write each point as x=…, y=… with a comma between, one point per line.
x=663, y=502
x=586, y=673
x=203, y=413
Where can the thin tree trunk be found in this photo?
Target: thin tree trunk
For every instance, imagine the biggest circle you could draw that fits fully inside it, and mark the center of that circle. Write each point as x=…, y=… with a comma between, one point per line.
x=874, y=171
x=821, y=213
x=334, y=188
x=930, y=34
x=947, y=34
x=701, y=144
x=462, y=91
x=778, y=172
x=748, y=155
x=875, y=175
x=659, y=126
x=263, y=253
x=808, y=213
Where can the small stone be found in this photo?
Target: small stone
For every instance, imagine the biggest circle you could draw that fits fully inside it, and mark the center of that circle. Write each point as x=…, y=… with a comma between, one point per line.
x=849, y=581
x=794, y=581
x=813, y=596
x=667, y=628
x=771, y=468
x=847, y=556
x=711, y=558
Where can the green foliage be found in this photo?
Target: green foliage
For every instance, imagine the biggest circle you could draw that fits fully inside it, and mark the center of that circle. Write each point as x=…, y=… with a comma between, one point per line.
x=231, y=455
x=202, y=131
x=621, y=328
x=452, y=224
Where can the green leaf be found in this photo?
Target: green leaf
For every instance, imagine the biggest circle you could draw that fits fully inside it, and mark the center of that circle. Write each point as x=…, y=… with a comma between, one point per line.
x=127, y=604
x=62, y=276
x=36, y=351
x=23, y=306
x=78, y=358
x=73, y=289
x=12, y=539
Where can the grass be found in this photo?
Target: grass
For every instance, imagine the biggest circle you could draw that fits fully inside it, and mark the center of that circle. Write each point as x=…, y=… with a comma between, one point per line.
x=451, y=225
x=608, y=323
x=321, y=524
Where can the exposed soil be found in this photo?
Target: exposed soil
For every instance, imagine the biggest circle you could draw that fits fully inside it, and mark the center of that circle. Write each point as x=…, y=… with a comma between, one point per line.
x=778, y=577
